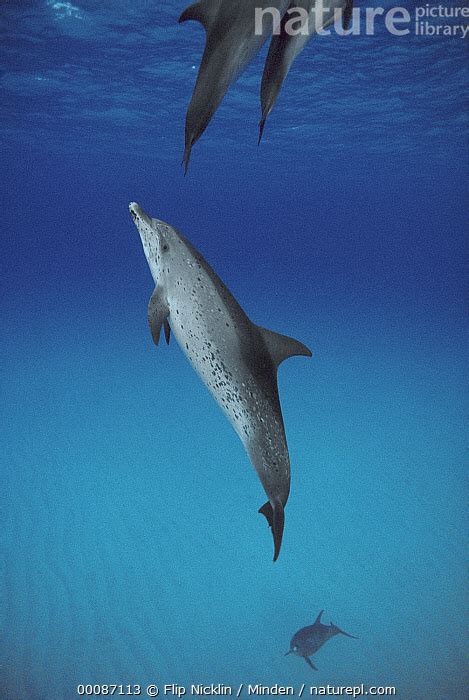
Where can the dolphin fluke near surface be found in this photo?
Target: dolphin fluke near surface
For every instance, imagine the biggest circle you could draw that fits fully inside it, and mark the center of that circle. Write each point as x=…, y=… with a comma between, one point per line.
x=231, y=43
x=308, y=640
x=302, y=20
x=236, y=359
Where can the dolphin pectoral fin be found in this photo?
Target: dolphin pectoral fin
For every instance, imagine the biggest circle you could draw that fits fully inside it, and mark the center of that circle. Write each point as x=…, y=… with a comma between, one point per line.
x=275, y=71
x=346, y=634
x=280, y=347
x=310, y=663
x=337, y=630
x=276, y=518
x=261, y=129
x=347, y=14
x=198, y=12
x=158, y=313
x=187, y=155
x=285, y=47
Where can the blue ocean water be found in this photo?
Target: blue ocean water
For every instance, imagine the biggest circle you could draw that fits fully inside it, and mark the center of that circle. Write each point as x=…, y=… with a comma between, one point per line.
x=131, y=548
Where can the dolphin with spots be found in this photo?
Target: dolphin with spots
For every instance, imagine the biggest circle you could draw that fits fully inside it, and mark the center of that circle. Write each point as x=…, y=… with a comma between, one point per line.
x=308, y=640
x=302, y=20
x=231, y=43
x=236, y=359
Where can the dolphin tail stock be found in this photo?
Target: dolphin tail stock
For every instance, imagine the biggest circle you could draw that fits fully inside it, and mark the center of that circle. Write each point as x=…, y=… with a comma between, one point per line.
x=337, y=630
x=276, y=518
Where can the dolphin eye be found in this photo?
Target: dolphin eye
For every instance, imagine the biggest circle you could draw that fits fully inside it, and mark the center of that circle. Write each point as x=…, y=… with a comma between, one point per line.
x=165, y=247
x=295, y=648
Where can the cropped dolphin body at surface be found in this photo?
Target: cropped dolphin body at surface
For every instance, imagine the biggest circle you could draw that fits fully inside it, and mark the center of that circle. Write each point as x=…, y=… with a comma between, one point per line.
x=235, y=359
x=308, y=640
x=231, y=43
x=303, y=20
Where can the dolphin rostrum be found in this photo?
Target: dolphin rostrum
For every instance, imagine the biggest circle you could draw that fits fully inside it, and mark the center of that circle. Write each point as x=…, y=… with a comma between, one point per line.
x=308, y=640
x=231, y=42
x=235, y=359
x=302, y=20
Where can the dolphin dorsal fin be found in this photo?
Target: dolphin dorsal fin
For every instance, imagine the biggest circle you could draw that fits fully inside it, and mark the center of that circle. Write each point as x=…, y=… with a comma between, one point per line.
x=281, y=347
x=198, y=12
x=318, y=619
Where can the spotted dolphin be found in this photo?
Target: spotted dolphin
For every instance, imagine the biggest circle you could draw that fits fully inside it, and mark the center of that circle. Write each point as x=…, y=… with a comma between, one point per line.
x=236, y=359
x=293, y=36
x=231, y=43
x=308, y=640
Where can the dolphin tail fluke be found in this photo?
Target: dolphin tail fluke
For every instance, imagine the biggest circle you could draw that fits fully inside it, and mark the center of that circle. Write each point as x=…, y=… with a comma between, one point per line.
x=337, y=630
x=276, y=518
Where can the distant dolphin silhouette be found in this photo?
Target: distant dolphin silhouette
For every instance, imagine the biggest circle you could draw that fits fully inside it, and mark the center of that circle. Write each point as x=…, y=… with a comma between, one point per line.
x=285, y=46
x=308, y=640
x=235, y=359
x=231, y=43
